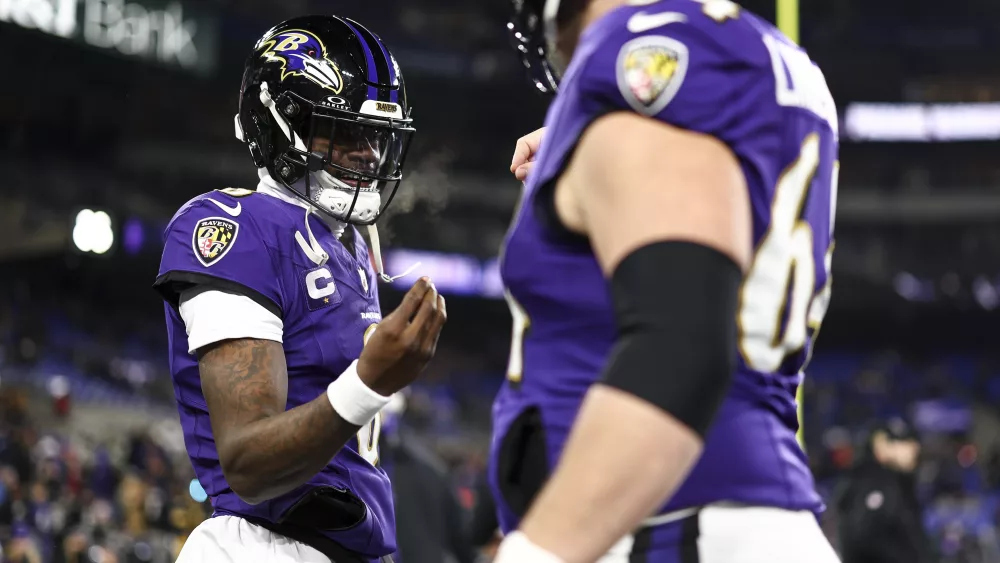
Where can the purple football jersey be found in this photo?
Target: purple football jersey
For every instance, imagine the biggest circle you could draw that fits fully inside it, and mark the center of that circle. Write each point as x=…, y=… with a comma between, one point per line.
x=250, y=242
x=710, y=67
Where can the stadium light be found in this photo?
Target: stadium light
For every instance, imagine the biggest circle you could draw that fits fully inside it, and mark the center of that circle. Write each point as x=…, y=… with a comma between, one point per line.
x=922, y=123
x=93, y=232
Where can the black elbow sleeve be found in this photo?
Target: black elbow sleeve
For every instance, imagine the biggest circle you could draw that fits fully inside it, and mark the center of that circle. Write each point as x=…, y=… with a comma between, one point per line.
x=675, y=304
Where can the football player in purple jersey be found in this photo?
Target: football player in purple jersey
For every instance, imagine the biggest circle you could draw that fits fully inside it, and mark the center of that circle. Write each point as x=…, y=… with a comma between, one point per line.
x=667, y=271
x=272, y=307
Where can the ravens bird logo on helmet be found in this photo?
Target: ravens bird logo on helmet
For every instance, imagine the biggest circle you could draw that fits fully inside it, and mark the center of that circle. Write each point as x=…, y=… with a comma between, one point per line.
x=301, y=53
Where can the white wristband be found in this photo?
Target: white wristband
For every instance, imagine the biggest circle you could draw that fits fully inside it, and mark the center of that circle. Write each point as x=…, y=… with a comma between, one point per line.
x=352, y=399
x=517, y=548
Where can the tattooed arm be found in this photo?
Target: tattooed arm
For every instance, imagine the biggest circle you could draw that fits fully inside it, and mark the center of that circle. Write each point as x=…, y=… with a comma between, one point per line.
x=265, y=451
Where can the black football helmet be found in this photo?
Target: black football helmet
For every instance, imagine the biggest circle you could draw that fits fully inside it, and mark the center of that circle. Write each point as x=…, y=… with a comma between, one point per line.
x=323, y=108
x=534, y=27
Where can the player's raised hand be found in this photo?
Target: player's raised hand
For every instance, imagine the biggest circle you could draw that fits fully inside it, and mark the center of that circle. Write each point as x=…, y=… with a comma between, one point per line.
x=524, y=154
x=405, y=341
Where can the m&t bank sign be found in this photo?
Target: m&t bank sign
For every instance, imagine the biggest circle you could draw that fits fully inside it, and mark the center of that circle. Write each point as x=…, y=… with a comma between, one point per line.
x=163, y=33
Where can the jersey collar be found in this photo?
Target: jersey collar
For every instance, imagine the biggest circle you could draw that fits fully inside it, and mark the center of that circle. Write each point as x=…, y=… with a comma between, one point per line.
x=270, y=187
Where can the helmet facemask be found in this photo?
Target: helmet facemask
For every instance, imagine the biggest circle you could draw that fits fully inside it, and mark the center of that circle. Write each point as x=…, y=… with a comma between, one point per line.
x=527, y=34
x=357, y=161
x=544, y=33
x=345, y=163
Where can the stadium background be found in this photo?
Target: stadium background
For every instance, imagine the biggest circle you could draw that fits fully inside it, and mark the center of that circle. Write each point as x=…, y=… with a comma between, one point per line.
x=114, y=113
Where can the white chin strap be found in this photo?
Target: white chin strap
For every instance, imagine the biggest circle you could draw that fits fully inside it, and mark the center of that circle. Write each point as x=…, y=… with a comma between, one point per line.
x=319, y=256
x=337, y=201
x=377, y=254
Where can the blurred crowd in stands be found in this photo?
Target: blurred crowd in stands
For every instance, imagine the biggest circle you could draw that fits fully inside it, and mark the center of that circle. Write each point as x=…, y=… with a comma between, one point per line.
x=63, y=500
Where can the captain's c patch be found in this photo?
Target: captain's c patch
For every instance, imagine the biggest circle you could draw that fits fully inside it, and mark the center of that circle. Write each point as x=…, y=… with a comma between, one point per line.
x=650, y=71
x=212, y=239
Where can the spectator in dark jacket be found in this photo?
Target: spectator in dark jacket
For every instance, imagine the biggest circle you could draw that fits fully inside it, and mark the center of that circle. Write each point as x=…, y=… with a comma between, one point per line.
x=881, y=520
x=431, y=525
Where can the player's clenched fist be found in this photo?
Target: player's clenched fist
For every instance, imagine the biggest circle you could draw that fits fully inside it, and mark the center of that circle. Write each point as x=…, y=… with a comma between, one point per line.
x=405, y=340
x=524, y=154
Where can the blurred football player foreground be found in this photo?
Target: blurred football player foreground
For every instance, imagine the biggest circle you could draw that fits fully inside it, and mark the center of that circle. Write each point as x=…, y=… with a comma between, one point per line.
x=272, y=307
x=686, y=184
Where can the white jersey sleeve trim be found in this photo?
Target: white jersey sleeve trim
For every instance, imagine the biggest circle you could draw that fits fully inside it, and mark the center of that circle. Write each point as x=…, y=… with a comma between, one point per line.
x=211, y=315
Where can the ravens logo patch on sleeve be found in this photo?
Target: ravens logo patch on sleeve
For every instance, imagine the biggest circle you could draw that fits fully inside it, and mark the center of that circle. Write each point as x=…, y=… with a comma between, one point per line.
x=650, y=71
x=213, y=237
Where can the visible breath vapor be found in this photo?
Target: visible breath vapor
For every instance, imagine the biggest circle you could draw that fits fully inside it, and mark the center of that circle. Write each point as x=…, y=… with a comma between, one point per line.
x=427, y=183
